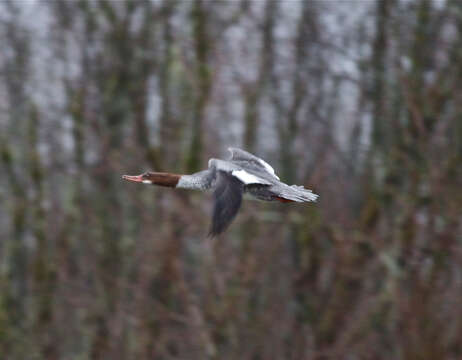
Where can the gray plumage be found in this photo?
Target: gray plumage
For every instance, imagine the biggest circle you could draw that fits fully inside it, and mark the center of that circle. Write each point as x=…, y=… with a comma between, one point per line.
x=268, y=187
x=230, y=179
x=244, y=173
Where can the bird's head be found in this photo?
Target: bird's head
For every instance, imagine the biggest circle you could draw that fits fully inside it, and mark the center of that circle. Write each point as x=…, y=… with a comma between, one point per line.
x=145, y=178
x=156, y=178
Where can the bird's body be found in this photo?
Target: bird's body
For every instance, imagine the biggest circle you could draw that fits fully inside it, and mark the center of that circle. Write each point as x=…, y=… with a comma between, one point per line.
x=243, y=173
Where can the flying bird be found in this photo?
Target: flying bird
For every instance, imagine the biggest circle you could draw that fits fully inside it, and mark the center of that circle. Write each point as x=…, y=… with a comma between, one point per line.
x=243, y=173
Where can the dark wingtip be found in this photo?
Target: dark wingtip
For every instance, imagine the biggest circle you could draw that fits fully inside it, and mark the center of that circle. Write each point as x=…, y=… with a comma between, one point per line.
x=215, y=231
x=228, y=199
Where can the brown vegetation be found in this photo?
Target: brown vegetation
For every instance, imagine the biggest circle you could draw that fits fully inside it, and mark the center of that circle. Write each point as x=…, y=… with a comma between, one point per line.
x=359, y=100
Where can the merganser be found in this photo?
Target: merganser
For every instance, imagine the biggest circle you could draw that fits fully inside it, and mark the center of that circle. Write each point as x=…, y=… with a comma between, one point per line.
x=229, y=180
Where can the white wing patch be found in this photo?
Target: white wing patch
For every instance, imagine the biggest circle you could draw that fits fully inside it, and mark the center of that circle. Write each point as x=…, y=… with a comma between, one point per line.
x=241, y=155
x=247, y=178
x=268, y=168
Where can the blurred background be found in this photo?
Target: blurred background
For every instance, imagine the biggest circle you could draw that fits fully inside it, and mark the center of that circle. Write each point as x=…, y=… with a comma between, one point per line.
x=360, y=101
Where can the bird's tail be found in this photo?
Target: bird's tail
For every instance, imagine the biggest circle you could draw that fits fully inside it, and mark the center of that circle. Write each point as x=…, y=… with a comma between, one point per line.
x=297, y=193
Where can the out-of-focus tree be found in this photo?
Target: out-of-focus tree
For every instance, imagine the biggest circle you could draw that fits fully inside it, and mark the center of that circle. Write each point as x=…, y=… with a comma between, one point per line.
x=362, y=106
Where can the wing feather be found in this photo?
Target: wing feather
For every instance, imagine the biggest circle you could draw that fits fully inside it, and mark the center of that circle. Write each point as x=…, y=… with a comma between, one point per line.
x=296, y=193
x=248, y=178
x=228, y=198
x=242, y=155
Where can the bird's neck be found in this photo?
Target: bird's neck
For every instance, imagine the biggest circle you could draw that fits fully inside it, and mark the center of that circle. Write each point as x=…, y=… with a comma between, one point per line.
x=163, y=179
x=199, y=181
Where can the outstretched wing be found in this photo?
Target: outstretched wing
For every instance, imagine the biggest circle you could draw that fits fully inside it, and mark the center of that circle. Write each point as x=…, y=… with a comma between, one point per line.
x=228, y=198
x=241, y=155
x=237, y=171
